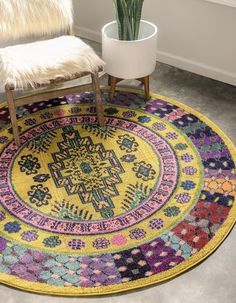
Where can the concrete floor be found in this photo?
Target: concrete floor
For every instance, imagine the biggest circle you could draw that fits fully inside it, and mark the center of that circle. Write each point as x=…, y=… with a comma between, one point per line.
x=213, y=281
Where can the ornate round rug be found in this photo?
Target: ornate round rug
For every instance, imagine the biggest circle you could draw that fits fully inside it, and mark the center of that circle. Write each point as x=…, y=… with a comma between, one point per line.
x=87, y=210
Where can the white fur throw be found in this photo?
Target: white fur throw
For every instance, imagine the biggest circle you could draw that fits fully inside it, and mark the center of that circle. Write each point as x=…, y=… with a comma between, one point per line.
x=38, y=62
x=24, y=18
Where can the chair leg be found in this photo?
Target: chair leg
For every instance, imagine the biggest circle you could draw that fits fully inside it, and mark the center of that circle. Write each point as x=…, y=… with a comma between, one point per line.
x=12, y=111
x=98, y=99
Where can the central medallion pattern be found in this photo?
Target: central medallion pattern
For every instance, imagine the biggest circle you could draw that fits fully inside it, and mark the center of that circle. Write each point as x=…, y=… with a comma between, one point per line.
x=87, y=170
x=106, y=191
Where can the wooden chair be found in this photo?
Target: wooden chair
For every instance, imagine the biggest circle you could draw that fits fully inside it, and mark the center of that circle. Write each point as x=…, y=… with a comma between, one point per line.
x=58, y=58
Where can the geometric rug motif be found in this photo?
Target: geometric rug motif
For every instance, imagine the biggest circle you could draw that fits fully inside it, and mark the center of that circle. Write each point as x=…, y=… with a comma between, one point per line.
x=86, y=210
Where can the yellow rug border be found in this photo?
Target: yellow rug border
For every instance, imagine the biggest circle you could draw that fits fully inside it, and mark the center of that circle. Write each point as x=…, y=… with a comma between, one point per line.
x=223, y=232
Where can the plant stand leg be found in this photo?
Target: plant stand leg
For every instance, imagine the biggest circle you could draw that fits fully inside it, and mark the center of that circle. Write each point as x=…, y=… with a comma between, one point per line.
x=112, y=83
x=109, y=80
x=146, y=87
x=145, y=82
x=12, y=111
x=98, y=99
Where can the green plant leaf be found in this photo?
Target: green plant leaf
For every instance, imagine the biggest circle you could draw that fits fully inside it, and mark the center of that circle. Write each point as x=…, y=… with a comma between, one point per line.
x=128, y=16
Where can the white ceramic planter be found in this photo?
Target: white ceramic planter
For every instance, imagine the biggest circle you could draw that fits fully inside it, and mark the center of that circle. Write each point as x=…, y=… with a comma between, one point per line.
x=129, y=59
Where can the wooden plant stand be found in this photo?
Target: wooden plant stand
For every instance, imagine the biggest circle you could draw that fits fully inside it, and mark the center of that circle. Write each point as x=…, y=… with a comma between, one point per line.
x=112, y=81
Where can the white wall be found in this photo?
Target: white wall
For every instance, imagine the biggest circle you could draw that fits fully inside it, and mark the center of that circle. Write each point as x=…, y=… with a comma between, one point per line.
x=196, y=35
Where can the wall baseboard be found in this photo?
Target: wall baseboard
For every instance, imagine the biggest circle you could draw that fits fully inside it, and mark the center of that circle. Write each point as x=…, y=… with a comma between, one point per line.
x=171, y=59
x=230, y=3
x=88, y=33
x=197, y=67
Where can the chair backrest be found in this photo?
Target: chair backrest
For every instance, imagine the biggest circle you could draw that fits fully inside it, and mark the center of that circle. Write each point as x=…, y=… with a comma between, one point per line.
x=20, y=19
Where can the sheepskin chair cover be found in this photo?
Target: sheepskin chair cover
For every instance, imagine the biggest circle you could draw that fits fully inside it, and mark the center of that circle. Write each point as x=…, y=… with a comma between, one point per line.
x=29, y=64
x=39, y=62
x=25, y=18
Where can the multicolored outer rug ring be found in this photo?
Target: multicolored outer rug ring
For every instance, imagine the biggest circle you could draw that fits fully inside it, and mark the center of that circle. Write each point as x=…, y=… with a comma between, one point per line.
x=91, y=211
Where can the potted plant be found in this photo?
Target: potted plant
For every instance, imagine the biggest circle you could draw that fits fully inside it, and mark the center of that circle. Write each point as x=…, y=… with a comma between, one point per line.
x=129, y=45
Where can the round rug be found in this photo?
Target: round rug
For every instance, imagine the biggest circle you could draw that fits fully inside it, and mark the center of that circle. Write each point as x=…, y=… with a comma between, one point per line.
x=87, y=210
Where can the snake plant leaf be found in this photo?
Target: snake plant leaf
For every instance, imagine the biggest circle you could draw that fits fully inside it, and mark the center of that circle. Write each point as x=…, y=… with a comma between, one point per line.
x=128, y=16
